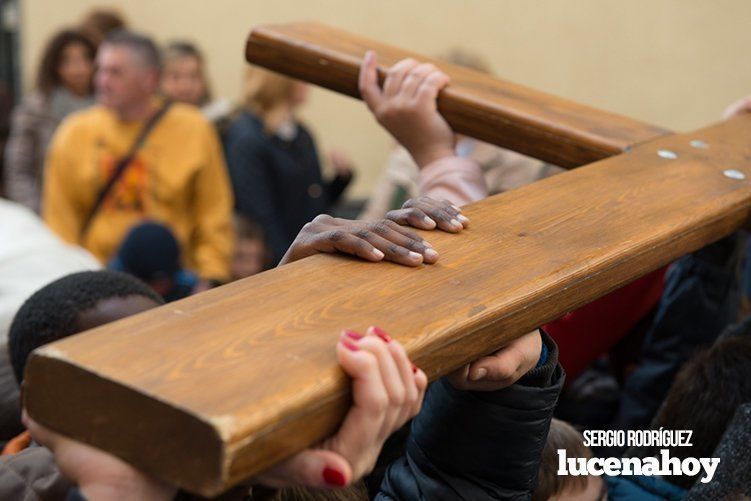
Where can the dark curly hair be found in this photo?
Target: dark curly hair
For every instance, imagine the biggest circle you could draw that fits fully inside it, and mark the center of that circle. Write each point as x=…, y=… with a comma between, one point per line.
x=48, y=76
x=51, y=313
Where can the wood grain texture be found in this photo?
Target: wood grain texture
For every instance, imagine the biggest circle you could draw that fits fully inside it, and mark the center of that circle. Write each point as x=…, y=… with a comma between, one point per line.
x=208, y=390
x=540, y=125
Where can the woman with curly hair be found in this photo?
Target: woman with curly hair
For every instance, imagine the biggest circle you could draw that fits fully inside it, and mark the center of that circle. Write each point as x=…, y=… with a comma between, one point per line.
x=63, y=86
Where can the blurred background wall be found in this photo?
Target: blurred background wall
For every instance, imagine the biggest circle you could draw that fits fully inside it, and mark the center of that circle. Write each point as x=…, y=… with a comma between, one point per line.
x=675, y=63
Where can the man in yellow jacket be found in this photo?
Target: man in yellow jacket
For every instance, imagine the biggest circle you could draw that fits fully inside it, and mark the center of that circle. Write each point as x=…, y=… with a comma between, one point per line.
x=176, y=175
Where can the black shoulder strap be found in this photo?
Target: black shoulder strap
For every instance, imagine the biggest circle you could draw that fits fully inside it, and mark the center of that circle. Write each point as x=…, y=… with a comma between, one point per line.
x=121, y=167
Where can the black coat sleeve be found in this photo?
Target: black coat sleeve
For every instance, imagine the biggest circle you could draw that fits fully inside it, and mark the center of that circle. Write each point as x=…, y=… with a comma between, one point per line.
x=254, y=188
x=478, y=445
x=335, y=188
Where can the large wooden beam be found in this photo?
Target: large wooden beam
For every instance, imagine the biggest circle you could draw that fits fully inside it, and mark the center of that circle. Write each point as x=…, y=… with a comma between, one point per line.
x=213, y=388
x=540, y=125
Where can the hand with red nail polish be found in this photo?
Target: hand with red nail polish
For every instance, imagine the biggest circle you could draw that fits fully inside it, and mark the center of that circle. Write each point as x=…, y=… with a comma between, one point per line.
x=387, y=391
x=502, y=368
x=381, y=334
x=352, y=334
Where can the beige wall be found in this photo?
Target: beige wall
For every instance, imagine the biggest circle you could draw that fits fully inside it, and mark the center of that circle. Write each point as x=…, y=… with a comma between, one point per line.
x=675, y=63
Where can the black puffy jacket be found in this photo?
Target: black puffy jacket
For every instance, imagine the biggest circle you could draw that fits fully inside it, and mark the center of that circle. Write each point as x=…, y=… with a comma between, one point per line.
x=478, y=445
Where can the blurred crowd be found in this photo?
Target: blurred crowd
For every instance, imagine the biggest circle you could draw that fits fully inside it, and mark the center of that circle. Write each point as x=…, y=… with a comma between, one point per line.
x=231, y=184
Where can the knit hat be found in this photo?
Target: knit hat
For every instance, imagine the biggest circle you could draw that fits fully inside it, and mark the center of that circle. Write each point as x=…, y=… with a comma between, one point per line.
x=150, y=252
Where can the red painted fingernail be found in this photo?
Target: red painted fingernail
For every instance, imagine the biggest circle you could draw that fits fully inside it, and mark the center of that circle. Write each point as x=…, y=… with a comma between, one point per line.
x=414, y=369
x=354, y=335
x=382, y=334
x=349, y=344
x=334, y=477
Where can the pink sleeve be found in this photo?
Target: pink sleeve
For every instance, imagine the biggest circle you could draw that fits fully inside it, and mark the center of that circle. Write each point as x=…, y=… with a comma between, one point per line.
x=456, y=179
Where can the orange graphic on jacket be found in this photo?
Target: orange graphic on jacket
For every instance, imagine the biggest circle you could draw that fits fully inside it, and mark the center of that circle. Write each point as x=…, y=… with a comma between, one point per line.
x=129, y=193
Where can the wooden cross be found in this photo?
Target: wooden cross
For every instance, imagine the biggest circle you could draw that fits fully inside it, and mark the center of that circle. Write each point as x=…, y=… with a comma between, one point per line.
x=211, y=389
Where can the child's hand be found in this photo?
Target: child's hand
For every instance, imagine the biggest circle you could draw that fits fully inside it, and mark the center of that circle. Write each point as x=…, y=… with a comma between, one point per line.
x=368, y=240
x=406, y=107
x=737, y=108
x=426, y=213
x=387, y=391
x=501, y=369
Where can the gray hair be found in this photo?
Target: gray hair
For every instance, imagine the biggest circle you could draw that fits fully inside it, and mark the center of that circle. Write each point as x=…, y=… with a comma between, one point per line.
x=142, y=46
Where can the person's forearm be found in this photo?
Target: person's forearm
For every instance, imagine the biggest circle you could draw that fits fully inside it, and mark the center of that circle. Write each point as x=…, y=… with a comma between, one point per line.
x=459, y=180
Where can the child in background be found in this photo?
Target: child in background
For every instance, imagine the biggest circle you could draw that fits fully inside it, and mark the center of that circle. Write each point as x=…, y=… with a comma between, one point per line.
x=551, y=486
x=251, y=254
x=151, y=253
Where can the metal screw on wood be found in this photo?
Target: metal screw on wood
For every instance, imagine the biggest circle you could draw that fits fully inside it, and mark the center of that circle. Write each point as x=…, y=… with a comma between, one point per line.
x=698, y=143
x=670, y=155
x=734, y=174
